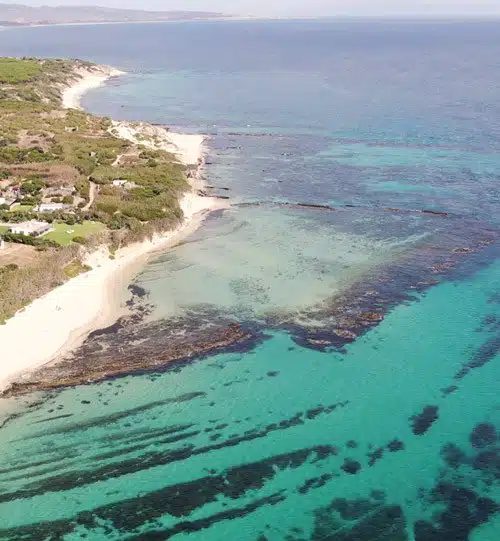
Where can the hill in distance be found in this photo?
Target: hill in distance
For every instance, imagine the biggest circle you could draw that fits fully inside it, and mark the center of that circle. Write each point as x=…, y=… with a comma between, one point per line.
x=20, y=15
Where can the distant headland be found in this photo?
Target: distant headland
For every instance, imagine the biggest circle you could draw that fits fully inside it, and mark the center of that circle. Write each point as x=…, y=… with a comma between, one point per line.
x=19, y=15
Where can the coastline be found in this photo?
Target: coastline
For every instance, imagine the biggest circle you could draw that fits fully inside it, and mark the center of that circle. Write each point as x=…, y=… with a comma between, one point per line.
x=85, y=80
x=59, y=321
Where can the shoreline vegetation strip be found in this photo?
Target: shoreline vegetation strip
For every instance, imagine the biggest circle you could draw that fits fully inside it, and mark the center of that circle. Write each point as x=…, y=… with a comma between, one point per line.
x=107, y=192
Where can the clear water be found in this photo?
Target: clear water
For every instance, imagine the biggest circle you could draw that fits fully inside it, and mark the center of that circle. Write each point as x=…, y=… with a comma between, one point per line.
x=392, y=437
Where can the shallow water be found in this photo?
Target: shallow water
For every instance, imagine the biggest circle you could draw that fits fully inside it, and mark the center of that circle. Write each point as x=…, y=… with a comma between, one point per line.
x=392, y=436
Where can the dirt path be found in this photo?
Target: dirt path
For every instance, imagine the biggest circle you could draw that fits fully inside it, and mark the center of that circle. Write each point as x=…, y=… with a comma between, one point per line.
x=92, y=194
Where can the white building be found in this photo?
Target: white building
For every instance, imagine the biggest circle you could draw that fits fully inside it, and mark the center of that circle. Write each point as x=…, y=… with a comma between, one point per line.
x=31, y=228
x=9, y=202
x=119, y=182
x=50, y=207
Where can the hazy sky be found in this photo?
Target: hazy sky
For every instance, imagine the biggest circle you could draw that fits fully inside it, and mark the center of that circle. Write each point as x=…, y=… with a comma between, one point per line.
x=298, y=7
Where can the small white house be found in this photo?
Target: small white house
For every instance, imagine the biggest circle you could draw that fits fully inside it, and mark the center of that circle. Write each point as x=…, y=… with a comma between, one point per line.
x=31, y=228
x=50, y=207
x=9, y=202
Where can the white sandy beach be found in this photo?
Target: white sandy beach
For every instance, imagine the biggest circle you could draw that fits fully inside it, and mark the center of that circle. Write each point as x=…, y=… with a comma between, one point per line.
x=59, y=321
x=84, y=81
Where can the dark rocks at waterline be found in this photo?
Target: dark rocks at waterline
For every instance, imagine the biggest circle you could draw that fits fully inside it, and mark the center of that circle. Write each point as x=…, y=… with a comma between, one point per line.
x=135, y=349
x=424, y=420
x=339, y=320
x=137, y=291
x=484, y=434
x=330, y=325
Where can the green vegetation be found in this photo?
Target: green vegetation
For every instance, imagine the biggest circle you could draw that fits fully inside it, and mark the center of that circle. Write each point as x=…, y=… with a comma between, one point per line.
x=75, y=268
x=18, y=71
x=51, y=153
x=20, y=286
x=64, y=234
x=39, y=242
x=22, y=208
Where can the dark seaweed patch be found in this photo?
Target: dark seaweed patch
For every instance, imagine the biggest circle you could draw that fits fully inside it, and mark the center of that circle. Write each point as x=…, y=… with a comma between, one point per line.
x=377, y=495
x=202, y=524
x=375, y=456
x=483, y=434
x=395, y=445
x=141, y=446
x=488, y=462
x=453, y=456
x=359, y=520
x=421, y=422
x=57, y=530
x=351, y=466
x=487, y=352
x=464, y=511
x=448, y=390
x=314, y=482
x=150, y=460
x=182, y=499
x=114, y=417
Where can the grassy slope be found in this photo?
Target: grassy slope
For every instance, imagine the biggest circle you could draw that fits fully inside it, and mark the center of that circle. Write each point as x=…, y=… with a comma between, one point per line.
x=36, y=147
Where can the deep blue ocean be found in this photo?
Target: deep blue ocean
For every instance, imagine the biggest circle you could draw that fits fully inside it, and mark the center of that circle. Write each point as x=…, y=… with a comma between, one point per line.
x=366, y=407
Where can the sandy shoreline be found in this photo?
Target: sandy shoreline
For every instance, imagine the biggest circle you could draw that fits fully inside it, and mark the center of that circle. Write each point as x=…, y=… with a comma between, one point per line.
x=59, y=321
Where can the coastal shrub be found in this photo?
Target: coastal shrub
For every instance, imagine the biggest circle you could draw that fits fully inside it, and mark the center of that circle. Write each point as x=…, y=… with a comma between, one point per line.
x=80, y=240
x=28, y=240
x=14, y=155
x=118, y=221
x=83, y=188
x=13, y=70
x=142, y=212
x=34, y=176
x=107, y=204
x=9, y=106
x=72, y=148
x=21, y=286
x=31, y=200
x=32, y=187
x=75, y=268
x=9, y=268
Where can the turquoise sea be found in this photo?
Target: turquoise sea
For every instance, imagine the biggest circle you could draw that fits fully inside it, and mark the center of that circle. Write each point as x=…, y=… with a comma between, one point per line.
x=365, y=407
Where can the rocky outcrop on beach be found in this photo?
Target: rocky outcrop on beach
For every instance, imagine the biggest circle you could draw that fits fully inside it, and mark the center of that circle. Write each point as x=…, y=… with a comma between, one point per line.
x=129, y=347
